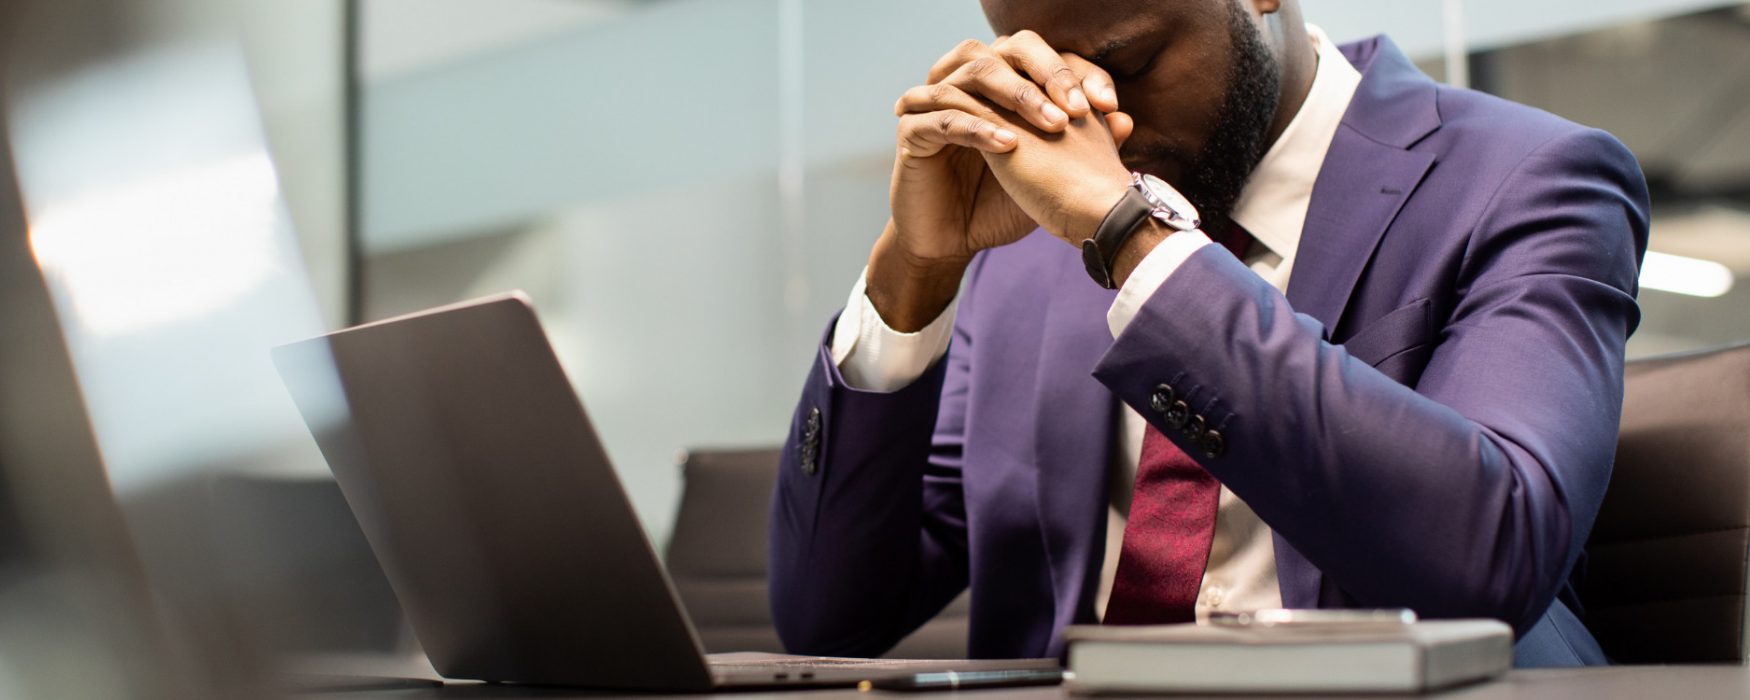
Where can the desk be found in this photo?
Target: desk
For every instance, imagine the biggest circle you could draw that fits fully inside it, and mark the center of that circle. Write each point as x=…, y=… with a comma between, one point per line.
x=1607, y=683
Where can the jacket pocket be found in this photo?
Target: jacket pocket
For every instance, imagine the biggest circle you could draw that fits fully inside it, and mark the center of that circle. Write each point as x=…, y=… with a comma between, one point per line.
x=1403, y=331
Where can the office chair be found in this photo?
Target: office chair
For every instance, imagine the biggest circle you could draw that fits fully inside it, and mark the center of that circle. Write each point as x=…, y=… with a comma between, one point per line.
x=717, y=550
x=717, y=559
x=294, y=559
x=1668, y=563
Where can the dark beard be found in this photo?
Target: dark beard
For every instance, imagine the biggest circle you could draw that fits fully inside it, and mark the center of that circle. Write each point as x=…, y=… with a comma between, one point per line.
x=1215, y=177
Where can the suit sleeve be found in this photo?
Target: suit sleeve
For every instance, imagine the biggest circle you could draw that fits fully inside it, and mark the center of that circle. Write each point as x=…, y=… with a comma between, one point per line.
x=868, y=526
x=1472, y=494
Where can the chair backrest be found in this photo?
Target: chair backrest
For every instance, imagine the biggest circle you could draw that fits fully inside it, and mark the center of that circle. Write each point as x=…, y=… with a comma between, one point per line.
x=1668, y=564
x=292, y=556
x=717, y=550
x=717, y=558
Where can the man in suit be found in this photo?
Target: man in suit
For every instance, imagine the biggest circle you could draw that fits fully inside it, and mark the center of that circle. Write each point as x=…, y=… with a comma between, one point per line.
x=1371, y=358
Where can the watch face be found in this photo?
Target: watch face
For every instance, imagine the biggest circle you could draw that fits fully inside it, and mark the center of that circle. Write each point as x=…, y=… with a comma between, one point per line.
x=1183, y=215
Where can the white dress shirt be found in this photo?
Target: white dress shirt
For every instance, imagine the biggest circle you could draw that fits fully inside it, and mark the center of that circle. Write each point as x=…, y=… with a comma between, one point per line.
x=1241, y=573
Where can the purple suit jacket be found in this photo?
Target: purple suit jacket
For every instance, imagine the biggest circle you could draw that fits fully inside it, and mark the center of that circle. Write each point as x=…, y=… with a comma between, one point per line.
x=1427, y=419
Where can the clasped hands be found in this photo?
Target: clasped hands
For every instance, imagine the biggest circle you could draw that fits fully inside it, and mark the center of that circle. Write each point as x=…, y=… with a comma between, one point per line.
x=1046, y=125
x=1002, y=138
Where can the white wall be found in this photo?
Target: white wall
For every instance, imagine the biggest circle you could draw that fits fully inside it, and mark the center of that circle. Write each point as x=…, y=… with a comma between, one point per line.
x=1415, y=24
x=403, y=36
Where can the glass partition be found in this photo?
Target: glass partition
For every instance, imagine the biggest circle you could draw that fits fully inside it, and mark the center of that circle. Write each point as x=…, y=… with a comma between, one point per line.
x=688, y=188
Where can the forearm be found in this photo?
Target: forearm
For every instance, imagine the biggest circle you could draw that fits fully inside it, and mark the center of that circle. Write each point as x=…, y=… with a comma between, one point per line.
x=1467, y=501
x=859, y=554
x=910, y=292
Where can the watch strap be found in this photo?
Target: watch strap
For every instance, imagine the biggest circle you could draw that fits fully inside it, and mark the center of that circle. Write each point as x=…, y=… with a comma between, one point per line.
x=1101, y=251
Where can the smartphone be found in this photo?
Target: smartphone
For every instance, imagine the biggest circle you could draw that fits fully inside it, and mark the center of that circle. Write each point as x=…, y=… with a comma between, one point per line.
x=1299, y=619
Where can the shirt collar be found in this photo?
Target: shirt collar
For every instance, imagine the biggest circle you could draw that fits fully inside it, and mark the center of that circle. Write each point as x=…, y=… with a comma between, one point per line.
x=1273, y=204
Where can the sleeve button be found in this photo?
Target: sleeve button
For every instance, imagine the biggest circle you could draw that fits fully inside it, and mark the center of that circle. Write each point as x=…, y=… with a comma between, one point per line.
x=811, y=426
x=1213, y=444
x=1194, y=427
x=1161, y=399
x=1177, y=414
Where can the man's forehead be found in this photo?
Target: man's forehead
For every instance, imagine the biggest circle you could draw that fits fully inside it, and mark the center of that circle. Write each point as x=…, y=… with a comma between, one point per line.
x=1084, y=27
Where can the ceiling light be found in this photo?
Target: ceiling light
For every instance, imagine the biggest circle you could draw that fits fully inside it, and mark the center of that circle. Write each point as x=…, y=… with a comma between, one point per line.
x=1681, y=275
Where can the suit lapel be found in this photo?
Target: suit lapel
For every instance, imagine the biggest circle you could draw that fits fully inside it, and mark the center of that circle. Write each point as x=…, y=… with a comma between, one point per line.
x=1361, y=187
x=1074, y=432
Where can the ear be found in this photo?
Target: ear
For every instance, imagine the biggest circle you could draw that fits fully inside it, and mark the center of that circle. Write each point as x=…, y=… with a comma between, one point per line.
x=1267, y=7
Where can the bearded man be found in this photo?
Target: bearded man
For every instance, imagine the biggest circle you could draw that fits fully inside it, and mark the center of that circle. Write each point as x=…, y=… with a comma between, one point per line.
x=1183, y=308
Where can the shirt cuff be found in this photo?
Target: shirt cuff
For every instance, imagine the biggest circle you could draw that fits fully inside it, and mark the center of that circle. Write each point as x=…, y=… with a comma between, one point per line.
x=1150, y=274
x=873, y=357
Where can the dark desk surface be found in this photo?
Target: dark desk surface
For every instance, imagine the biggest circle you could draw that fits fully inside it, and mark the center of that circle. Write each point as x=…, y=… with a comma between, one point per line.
x=1612, y=683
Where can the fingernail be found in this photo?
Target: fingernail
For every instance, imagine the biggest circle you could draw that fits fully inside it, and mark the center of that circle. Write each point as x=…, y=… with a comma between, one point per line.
x=1109, y=94
x=1078, y=101
x=1004, y=136
x=1053, y=114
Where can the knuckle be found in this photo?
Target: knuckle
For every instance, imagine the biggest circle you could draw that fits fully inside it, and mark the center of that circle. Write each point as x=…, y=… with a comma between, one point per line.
x=940, y=92
x=946, y=122
x=969, y=47
x=908, y=138
x=1026, y=95
x=980, y=66
x=1062, y=74
x=1027, y=35
x=911, y=137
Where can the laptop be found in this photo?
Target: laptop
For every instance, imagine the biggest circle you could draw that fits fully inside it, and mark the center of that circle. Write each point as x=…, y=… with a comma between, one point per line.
x=475, y=473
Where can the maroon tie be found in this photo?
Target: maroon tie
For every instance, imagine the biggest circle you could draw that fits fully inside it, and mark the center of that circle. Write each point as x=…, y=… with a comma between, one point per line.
x=1171, y=524
x=1235, y=238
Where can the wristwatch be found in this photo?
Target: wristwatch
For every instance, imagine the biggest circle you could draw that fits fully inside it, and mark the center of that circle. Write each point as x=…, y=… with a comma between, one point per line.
x=1148, y=196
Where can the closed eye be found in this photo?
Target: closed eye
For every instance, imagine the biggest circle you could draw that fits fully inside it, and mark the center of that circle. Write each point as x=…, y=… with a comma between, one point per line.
x=1128, y=58
x=1127, y=74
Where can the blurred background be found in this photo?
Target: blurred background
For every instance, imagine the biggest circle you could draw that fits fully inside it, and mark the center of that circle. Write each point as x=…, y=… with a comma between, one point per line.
x=524, y=143
x=204, y=179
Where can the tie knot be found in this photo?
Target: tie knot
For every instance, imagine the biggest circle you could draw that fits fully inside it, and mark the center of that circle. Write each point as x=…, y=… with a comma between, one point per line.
x=1235, y=238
